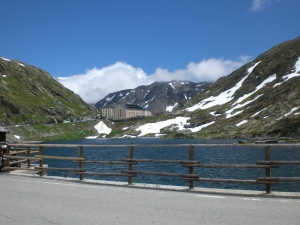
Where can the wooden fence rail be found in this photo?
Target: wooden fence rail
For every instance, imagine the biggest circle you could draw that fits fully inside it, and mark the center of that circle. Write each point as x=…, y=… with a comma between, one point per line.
x=35, y=152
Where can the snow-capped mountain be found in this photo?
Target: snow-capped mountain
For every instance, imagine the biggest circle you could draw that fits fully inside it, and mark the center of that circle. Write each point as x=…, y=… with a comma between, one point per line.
x=262, y=98
x=157, y=97
x=112, y=98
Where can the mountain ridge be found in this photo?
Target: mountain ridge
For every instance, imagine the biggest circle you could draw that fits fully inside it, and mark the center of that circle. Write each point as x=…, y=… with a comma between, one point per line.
x=158, y=97
x=273, y=87
x=260, y=99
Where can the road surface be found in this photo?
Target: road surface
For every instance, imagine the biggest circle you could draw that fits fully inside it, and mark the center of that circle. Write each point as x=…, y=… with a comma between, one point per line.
x=26, y=200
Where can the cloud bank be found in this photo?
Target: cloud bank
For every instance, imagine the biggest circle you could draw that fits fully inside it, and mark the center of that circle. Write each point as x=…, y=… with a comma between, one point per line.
x=97, y=83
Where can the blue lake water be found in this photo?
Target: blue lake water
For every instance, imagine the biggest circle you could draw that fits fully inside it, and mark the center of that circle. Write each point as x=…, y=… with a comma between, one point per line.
x=206, y=155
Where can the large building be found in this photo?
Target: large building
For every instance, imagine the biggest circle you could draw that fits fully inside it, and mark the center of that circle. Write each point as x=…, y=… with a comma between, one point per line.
x=123, y=111
x=107, y=112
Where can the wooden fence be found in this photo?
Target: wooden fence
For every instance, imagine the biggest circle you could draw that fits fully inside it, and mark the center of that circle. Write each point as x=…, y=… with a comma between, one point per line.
x=35, y=153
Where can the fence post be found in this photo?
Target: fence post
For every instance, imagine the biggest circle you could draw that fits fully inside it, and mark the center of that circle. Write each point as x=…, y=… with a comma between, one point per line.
x=8, y=159
x=80, y=155
x=130, y=166
x=191, y=168
x=28, y=155
x=268, y=170
x=41, y=161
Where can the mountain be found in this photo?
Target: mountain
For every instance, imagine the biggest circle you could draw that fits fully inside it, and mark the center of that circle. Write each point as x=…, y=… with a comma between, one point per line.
x=259, y=100
x=29, y=95
x=262, y=98
x=112, y=98
x=158, y=97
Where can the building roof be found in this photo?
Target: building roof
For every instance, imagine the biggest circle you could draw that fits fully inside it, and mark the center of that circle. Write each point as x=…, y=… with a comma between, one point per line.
x=108, y=106
x=129, y=106
x=126, y=106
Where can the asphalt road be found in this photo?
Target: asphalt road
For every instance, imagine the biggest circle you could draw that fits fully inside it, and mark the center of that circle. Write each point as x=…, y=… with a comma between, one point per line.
x=33, y=201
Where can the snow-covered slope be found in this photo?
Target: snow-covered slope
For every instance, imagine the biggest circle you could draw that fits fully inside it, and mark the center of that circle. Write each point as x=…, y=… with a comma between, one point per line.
x=262, y=98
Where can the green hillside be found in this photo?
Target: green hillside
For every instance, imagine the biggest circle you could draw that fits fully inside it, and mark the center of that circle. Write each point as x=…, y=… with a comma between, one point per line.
x=29, y=95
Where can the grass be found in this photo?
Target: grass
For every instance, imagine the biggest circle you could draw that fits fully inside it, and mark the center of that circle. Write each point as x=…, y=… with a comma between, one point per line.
x=115, y=133
x=31, y=92
x=59, y=131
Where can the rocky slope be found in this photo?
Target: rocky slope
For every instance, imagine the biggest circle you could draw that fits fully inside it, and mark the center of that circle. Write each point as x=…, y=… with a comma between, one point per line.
x=112, y=98
x=29, y=95
x=158, y=97
x=262, y=98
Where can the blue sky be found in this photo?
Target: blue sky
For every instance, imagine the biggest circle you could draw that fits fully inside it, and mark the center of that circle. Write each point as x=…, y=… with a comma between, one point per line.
x=137, y=42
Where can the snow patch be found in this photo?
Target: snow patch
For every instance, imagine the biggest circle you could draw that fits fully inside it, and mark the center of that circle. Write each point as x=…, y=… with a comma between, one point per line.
x=291, y=75
x=292, y=110
x=92, y=137
x=172, y=86
x=128, y=136
x=102, y=128
x=214, y=114
x=195, y=129
x=111, y=98
x=154, y=128
x=21, y=64
x=258, y=112
x=5, y=59
x=266, y=81
x=170, y=108
x=146, y=93
x=234, y=114
x=240, y=123
x=178, y=123
x=17, y=136
x=222, y=98
x=228, y=113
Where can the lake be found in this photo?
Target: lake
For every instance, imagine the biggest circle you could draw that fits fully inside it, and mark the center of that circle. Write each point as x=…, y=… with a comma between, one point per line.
x=206, y=155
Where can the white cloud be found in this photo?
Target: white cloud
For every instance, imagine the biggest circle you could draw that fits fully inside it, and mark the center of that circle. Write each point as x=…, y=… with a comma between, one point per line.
x=96, y=83
x=260, y=4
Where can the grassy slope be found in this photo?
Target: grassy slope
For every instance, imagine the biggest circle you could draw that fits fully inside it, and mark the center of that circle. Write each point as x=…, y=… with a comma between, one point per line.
x=31, y=95
x=47, y=132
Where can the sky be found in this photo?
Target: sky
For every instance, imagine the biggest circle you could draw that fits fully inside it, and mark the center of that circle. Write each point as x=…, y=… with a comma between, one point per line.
x=98, y=47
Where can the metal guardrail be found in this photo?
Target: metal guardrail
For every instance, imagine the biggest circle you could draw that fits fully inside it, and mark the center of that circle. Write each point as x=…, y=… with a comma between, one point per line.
x=191, y=177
